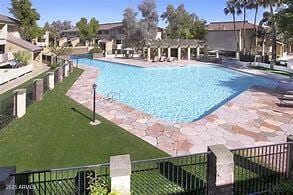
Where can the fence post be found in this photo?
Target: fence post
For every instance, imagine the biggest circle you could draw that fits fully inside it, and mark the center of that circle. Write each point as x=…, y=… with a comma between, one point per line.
x=38, y=89
x=290, y=157
x=7, y=183
x=66, y=70
x=70, y=66
x=220, y=170
x=19, y=103
x=120, y=171
x=60, y=74
x=50, y=80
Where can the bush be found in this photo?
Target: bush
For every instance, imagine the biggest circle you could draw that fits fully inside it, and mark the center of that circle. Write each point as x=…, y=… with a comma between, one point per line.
x=247, y=58
x=96, y=50
x=53, y=66
x=22, y=57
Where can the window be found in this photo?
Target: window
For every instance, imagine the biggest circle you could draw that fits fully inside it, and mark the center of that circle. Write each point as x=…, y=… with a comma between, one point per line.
x=118, y=42
x=2, y=49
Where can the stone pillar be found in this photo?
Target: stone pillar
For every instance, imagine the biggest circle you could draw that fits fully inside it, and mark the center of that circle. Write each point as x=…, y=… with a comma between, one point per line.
x=159, y=52
x=70, y=66
x=120, y=172
x=66, y=70
x=19, y=108
x=220, y=170
x=290, y=157
x=197, y=52
x=217, y=54
x=148, y=54
x=50, y=80
x=188, y=53
x=38, y=89
x=179, y=53
x=7, y=182
x=60, y=74
x=169, y=52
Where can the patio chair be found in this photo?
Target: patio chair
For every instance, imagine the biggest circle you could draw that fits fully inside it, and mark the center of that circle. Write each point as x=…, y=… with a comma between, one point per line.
x=162, y=59
x=171, y=59
x=155, y=59
x=286, y=103
x=286, y=97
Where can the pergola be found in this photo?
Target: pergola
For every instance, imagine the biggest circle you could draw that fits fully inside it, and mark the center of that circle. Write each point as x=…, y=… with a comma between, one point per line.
x=178, y=44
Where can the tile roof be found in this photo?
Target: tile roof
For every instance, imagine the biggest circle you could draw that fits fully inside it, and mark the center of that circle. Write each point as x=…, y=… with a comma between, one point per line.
x=7, y=19
x=23, y=43
x=229, y=25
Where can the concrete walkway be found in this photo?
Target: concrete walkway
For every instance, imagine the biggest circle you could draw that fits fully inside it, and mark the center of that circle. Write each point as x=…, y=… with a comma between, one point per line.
x=18, y=81
x=250, y=119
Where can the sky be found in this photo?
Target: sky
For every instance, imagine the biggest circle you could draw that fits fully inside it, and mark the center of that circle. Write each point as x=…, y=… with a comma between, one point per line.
x=112, y=10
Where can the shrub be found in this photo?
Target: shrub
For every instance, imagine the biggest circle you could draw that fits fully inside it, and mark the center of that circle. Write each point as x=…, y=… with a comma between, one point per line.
x=53, y=66
x=96, y=50
x=22, y=57
x=97, y=186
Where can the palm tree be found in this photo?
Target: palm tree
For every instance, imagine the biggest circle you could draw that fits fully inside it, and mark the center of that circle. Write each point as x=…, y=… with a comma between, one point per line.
x=271, y=4
x=243, y=4
x=232, y=7
x=253, y=4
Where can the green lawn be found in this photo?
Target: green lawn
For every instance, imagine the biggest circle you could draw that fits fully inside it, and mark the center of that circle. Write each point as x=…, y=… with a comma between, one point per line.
x=53, y=135
x=284, y=73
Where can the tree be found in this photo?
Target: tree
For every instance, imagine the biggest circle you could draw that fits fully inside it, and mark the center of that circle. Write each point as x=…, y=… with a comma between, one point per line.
x=55, y=28
x=265, y=31
x=182, y=24
x=22, y=10
x=272, y=4
x=233, y=8
x=88, y=30
x=284, y=19
x=131, y=30
x=150, y=18
x=139, y=32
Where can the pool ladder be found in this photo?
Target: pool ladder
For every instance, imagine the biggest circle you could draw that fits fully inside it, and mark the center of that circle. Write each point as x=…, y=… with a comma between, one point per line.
x=112, y=96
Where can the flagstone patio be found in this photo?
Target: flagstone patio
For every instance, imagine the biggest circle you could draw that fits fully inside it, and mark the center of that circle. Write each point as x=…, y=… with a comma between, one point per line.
x=250, y=119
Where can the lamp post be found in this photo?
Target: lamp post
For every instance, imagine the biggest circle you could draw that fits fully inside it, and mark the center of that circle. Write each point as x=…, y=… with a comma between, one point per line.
x=94, y=121
x=94, y=102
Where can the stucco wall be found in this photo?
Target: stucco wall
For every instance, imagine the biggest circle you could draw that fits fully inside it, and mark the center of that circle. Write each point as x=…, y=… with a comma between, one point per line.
x=222, y=40
x=226, y=40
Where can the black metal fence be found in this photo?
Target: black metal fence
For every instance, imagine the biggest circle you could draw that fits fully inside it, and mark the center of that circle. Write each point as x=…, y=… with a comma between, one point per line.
x=261, y=169
x=174, y=175
x=6, y=111
x=29, y=94
x=75, y=180
x=45, y=83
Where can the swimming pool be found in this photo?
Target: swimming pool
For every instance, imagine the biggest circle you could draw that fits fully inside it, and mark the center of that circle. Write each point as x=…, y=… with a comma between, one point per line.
x=175, y=94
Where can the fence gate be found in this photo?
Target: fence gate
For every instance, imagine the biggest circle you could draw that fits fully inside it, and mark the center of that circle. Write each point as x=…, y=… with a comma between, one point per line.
x=174, y=175
x=29, y=94
x=260, y=169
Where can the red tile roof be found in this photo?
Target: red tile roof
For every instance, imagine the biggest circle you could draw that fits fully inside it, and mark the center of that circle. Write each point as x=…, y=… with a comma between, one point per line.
x=229, y=25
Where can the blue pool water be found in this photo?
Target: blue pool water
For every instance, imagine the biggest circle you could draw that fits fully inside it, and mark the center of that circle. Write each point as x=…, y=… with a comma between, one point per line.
x=176, y=94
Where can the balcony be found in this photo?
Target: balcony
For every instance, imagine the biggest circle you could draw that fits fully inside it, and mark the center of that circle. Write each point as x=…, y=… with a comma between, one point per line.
x=3, y=34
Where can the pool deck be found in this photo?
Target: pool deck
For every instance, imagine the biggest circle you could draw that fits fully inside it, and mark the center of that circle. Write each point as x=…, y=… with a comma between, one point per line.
x=250, y=119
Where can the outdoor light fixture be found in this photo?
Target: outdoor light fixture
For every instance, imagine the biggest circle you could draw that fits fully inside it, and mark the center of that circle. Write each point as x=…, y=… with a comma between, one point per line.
x=94, y=121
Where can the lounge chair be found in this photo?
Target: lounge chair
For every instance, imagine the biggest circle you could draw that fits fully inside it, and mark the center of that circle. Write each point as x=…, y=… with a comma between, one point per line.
x=286, y=97
x=155, y=59
x=171, y=59
x=285, y=103
x=162, y=59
